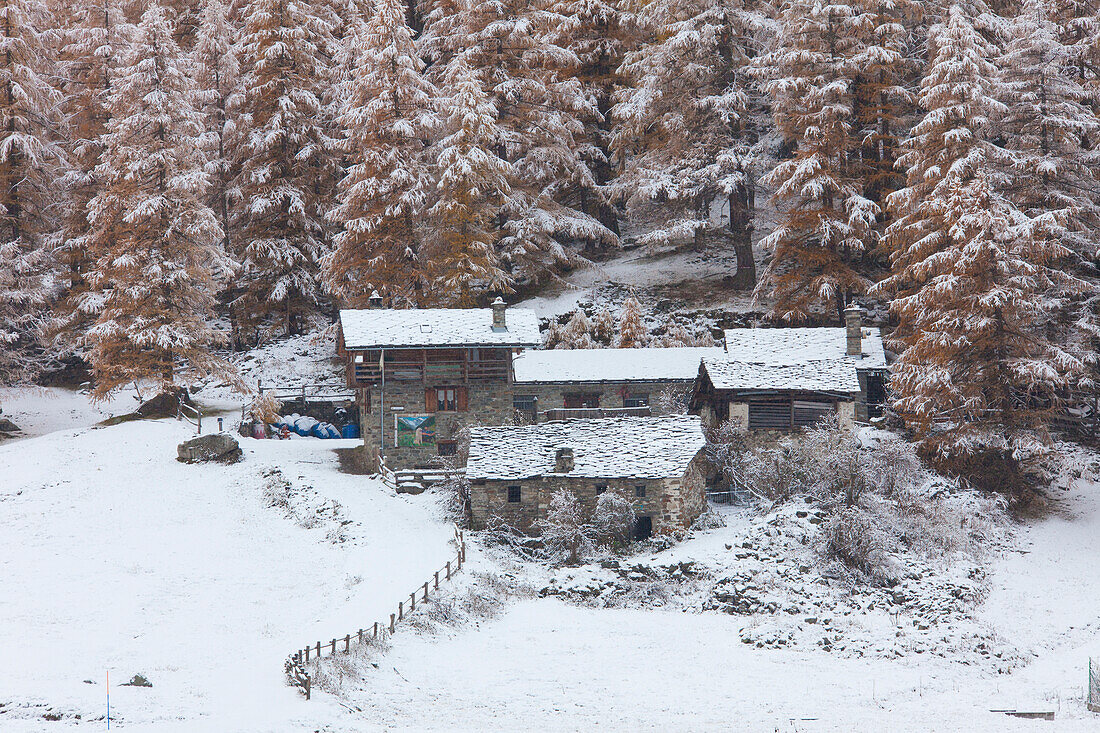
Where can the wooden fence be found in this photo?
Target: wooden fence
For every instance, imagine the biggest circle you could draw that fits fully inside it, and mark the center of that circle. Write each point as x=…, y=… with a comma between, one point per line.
x=295, y=663
x=191, y=414
x=414, y=480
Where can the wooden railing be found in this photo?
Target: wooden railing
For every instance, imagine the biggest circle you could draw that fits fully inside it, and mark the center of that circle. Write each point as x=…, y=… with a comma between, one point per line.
x=402, y=479
x=568, y=413
x=191, y=414
x=296, y=672
x=438, y=371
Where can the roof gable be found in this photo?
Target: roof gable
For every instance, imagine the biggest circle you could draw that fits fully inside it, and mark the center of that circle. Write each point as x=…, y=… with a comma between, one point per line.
x=620, y=447
x=437, y=327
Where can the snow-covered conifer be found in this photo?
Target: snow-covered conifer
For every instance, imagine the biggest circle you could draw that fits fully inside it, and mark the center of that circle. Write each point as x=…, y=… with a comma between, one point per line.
x=151, y=284
x=287, y=158
x=30, y=160
x=604, y=327
x=974, y=289
x=473, y=183
x=576, y=334
x=385, y=120
x=689, y=124
x=633, y=333
x=827, y=222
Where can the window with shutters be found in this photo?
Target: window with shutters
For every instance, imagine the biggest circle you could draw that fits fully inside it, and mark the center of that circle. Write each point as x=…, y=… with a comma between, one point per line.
x=445, y=399
x=514, y=494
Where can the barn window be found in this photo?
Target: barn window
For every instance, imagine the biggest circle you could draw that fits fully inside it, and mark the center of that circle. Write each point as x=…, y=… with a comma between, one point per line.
x=580, y=400
x=639, y=491
x=526, y=405
x=514, y=494
x=808, y=413
x=600, y=488
x=636, y=399
x=770, y=414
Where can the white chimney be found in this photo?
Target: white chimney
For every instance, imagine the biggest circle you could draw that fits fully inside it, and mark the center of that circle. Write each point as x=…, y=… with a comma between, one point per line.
x=853, y=323
x=499, y=321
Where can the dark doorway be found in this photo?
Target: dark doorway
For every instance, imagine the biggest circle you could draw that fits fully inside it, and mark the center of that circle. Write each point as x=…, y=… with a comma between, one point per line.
x=643, y=528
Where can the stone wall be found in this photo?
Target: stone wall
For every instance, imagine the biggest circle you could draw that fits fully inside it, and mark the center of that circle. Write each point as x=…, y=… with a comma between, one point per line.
x=673, y=502
x=551, y=395
x=488, y=402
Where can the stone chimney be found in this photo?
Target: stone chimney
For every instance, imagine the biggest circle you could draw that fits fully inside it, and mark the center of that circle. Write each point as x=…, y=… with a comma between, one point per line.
x=375, y=300
x=563, y=460
x=500, y=323
x=853, y=324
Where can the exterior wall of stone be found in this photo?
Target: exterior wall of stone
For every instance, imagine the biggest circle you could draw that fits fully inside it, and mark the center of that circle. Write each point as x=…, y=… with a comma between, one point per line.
x=551, y=395
x=673, y=502
x=488, y=402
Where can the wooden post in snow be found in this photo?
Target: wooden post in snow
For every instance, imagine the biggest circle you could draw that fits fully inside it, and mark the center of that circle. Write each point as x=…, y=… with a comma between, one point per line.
x=391, y=623
x=425, y=592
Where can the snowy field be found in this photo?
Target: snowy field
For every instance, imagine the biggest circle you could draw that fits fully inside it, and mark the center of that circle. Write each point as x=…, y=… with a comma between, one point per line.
x=120, y=560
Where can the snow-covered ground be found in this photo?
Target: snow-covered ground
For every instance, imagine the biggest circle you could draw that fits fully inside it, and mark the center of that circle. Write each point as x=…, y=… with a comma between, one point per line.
x=41, y=410
x=118, y=559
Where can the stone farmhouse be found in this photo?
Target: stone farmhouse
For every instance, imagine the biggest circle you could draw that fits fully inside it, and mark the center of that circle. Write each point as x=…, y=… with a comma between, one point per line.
x=421, y=375
x=781, y=379
x=561, y=383
x=657, y=462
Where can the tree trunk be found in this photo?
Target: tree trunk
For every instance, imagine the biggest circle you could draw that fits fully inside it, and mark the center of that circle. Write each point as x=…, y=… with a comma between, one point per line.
x=741, y=228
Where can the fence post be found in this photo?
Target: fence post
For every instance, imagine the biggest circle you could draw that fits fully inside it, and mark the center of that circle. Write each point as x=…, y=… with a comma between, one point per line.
x=436, y=576
x=347, y=643
x=400, y=610
x=425, y=592
x=391, y=623
x=375, y=629
x=360, y=636
x=412, y=601
x=318, y=650
x=199, y=421
x=448, y=570
x=309, y=684
x=307, y=653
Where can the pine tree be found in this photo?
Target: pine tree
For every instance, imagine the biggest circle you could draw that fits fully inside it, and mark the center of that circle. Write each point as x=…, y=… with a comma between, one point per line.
x=828, y=222
x=971, y=283
x=539, y=129
x=633, y=333
x=604, y=327
x=30, y=158
x=92, y=34
x=576, y=334
x=690, y=123
x=472, y=187
x=386, y=119
x=218, y=76
x=287, y=158
x=151, y=285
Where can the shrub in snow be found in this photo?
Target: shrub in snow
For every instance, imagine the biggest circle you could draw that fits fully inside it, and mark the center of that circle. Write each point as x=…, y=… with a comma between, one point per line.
x=633, y=333
x=614, y=518
x=264, y=409
x=876, y=495
x=564, y=532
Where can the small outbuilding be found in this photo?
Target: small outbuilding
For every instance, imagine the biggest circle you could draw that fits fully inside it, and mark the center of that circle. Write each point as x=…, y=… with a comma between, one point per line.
x=657, y=462
x=783, y=379
x=556, y=384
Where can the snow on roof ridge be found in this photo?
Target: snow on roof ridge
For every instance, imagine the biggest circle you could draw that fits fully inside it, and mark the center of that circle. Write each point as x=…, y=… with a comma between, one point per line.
x=612, y=365
x=420, y=327
x=614, y=447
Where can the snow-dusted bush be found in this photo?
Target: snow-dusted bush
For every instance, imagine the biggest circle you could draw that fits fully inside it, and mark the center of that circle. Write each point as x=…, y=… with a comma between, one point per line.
x=564, y=531
x=877, y=496
x=613, y=520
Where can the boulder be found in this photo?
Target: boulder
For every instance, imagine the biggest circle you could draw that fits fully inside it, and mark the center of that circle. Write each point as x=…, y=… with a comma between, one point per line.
x=219, y=447
x=163, y=405
x=7, y=426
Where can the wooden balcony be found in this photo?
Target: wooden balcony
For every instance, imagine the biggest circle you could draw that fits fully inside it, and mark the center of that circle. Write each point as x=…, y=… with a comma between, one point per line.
x=430, y=369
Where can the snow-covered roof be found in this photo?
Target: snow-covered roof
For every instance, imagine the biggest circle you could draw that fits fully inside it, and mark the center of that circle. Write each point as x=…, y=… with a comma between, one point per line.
x=611, y=365
x=790, y=346
x=437, y=327
x=801, y=359
x=616, y=447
